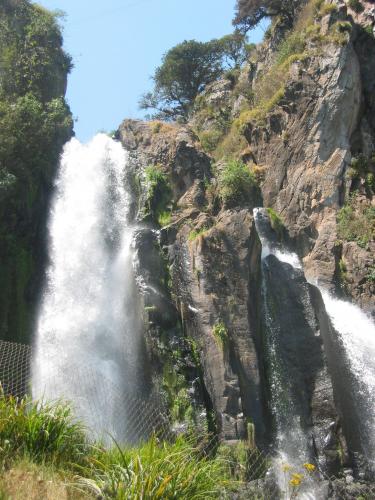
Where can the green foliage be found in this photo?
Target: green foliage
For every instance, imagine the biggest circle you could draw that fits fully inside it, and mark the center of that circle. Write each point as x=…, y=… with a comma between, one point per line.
x=31, y=55
x=159, y=471
x=371, y=275
x=250, y=12
x=188, y=68
x=244, y=462
x=31, y=134
x=293, y=44
x=236, y=183
x=185, y=71
x=35, y=122
x=327, y=8
x=42, y=432
x=356, y=5
x=210, y=139
x=195, y=233
x=276, y=222
x=362, y=168
x=342, y=271
x=220, y=333
x=47, y=435
x=175, y=387
x=158, y=195
x=234, y=50
x=356, y=222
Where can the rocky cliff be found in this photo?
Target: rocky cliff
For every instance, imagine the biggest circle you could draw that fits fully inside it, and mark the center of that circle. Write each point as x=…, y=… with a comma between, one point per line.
x=299, y=121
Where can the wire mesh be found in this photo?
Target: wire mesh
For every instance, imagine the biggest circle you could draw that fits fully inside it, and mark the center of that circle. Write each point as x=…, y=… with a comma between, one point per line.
x=134, y=419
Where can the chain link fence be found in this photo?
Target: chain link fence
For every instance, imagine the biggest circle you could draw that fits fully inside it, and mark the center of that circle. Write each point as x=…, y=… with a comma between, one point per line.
x=133, y=419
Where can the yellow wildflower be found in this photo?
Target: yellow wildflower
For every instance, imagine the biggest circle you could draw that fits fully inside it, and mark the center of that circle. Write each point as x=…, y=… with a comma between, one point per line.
x=295, y=482
x=297, y=476
x=309, y=467
x=286, y=467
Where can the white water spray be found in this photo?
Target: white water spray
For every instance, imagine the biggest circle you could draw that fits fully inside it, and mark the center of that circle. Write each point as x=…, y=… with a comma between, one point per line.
x=88, y=330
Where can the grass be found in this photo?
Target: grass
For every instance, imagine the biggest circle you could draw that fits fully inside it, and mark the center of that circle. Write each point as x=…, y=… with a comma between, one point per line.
x=236, y=183
x=40, y=432
x=220, y=333
x=195, y=233
x=44, y=453
x=276, y=222
x=159, y=203
x=160, y=471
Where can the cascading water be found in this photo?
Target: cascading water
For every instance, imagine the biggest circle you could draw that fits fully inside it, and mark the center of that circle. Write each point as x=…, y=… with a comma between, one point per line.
x=88, y=342
x=293, y=444
x=356, y=337
x=352, y=363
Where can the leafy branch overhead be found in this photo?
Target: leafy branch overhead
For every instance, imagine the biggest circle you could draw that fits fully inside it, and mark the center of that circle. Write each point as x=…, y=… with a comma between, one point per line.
x=250, y=12
x=187, y=69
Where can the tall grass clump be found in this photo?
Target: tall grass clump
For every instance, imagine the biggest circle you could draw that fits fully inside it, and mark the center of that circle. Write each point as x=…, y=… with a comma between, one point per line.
x=41, y=432
x=236, y=183
x=168, y=471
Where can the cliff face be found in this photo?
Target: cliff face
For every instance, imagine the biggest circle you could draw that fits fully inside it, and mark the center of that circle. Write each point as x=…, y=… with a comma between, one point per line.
x=311, y=150
x=35, y=122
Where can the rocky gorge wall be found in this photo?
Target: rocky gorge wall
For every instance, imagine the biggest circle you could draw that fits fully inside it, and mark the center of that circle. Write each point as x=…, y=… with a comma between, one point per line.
x=312, y=154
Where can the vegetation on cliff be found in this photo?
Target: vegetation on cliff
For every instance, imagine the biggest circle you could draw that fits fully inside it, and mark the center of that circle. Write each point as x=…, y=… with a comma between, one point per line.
x=35, y=122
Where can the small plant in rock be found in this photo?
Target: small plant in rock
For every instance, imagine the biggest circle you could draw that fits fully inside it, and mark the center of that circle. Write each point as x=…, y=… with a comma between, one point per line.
x=356, y=5
x=276, y=222
x=236, y=183
x=356, y=222
x=158, y=205
x=220, y=333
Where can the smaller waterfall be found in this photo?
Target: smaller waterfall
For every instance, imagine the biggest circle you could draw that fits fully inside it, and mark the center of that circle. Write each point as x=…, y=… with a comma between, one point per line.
x=88, y=340
x=356, y=337
x=284, y=338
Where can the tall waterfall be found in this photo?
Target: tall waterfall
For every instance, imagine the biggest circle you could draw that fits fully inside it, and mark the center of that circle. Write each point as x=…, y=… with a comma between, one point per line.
x=88, y=341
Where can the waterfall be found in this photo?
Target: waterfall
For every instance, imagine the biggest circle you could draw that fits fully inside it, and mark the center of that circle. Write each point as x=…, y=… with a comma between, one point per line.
x=351, y=352
x=355, y=333
x=88, y=336
x=287, y=390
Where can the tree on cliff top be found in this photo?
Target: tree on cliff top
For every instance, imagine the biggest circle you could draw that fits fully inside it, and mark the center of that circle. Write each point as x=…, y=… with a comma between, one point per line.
x=250, y=12
x=187, y=68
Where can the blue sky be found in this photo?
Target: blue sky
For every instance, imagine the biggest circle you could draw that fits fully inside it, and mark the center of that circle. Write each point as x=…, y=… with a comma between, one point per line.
x=117, y=44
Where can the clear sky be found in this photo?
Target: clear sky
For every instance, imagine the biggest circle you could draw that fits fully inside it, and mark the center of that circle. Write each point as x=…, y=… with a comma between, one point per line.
x=117, y=44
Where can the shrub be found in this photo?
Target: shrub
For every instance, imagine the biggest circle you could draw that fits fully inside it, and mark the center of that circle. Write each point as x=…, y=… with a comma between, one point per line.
x=236, y=183
x=210, y=139
x=220, y=333
x=356, y=5
x=195, y=233
x=158, y=202
x=356, y=222
x=276, y=222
